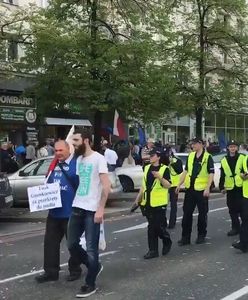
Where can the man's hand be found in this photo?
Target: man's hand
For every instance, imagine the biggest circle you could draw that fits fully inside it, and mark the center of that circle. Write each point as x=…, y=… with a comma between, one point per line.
x=244, y=176
x=177, y=190
x=98, y=218
x=223, y=191
x=206, y=192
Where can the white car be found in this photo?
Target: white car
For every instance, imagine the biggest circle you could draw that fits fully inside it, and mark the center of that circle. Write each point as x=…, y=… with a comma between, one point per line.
x=34, y=174
x=131, y=176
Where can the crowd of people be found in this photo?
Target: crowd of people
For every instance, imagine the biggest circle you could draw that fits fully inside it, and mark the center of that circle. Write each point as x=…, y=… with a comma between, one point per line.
x=12, y=157
x=85, y=185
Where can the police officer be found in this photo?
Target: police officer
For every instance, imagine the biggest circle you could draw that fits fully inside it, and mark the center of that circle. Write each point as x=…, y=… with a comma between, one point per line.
x=153, y=198
x=197, y=176
x=176, y=168
x=243, y=243
x=231, y=184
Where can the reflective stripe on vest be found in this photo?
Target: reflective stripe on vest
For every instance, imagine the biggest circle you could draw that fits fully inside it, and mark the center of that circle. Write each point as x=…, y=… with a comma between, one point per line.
x=245, y=182
x=201, y=180
x=232, y=180
x=175, y=178
x=158, y=194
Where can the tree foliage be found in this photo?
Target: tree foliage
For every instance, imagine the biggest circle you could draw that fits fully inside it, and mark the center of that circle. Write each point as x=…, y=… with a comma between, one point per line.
x=101, y=55
x=211, y=55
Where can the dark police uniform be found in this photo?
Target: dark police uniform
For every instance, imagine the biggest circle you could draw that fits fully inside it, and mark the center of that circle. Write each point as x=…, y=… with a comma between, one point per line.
x=198, y=170
x=153, y=206
x=231, y=181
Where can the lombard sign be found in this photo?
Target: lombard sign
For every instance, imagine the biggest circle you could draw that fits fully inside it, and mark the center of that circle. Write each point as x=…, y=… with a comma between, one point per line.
x=17, y=101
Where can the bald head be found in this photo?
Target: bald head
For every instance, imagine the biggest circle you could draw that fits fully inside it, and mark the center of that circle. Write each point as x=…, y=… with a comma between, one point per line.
x=62, y=150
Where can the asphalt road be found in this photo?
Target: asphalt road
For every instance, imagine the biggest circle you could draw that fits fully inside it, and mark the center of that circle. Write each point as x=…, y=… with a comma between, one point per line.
x=202, y=272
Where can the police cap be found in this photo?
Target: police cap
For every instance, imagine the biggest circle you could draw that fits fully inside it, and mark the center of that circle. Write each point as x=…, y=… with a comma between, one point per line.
x=232, y=142
x=155, y=151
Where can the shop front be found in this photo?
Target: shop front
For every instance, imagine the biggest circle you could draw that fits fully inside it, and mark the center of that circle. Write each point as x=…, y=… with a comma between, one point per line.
x=58, y=128
x=18, y=118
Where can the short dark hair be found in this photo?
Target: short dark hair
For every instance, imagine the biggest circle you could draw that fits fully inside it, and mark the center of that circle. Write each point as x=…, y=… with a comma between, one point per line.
x=85, y=134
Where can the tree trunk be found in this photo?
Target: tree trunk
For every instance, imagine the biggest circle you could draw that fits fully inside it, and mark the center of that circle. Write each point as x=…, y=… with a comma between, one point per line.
x=93, y=32
x=199, y=116
x=201, y=88
x=97, y=130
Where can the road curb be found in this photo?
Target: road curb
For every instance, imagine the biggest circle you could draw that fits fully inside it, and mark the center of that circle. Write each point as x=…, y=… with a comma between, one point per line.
x=25, y=219
x=117, y=213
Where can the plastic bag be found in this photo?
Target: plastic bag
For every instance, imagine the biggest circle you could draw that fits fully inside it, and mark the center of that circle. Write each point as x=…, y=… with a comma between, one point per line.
x=102, y=241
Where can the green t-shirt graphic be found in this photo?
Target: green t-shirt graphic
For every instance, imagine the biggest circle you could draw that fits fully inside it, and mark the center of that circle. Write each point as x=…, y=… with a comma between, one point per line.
x=84, y=172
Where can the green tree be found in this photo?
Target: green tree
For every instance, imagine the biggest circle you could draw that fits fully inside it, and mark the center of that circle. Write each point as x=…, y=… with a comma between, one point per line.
x=102, y=55
x=211, y=55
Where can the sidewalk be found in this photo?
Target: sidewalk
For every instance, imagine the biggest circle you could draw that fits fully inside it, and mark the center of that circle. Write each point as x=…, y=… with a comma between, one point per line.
x=115, y=207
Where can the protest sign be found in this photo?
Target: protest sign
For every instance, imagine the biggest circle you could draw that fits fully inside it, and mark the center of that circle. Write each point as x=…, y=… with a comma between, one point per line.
x=43, y=197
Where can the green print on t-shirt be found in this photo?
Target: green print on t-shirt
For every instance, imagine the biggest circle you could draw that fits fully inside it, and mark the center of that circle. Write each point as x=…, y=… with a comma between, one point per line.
x=84, y=172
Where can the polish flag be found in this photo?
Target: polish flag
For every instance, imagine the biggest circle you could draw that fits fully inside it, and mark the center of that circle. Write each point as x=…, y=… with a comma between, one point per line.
x=118, y=128
x=69, y=139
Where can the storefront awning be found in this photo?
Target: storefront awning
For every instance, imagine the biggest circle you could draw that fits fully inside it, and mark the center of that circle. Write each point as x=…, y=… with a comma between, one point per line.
x=67, y=122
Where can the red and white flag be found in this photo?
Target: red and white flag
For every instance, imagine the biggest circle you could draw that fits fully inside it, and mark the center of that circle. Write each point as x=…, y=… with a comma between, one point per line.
x=118, y=128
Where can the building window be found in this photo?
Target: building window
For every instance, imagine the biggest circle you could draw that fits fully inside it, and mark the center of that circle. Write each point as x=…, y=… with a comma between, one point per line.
x=12, y=50
x=230, y=120
x=8, y=50
x=11, y=2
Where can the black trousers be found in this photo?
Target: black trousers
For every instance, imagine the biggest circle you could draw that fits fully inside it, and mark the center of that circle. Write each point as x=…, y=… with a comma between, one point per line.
x=56, y=229
x=192, y=199
x=244, y=224
x=156, y=228
x=173, y=206
x=234, y=204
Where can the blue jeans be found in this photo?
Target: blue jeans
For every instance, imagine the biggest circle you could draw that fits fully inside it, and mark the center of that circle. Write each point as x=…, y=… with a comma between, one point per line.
x=83, y=221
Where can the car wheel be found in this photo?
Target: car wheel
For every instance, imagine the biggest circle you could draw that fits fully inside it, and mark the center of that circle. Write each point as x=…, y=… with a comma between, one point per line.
x=127, y=184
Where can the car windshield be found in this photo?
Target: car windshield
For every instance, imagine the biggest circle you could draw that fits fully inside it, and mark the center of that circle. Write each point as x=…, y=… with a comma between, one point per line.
x=218, y=157
x=182, y=157
x=37, y=168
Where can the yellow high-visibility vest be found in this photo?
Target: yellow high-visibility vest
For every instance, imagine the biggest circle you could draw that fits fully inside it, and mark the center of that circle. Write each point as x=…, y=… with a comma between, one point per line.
x=201, y=180
x=175, y=178
x=245, y=182
x=158, y=193
x=232, y=180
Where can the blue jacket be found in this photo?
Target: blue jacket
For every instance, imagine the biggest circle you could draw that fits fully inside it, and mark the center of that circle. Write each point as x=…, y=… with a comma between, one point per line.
x=68, y=189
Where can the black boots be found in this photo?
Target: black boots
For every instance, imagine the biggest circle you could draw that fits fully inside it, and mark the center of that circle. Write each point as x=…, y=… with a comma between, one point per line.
x=239, y=246
x=151, y=254
x=233, y=232
x=166, y=247
x=184, y=241
x=46, y=277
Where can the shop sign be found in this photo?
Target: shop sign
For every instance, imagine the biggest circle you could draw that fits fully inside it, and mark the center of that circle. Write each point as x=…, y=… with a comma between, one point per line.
x=32, y=135
x=10, y=114
x=18, y=114
x=17, y=101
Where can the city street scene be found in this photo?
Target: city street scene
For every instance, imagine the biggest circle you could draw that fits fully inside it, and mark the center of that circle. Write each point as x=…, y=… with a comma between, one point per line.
x=123, y=149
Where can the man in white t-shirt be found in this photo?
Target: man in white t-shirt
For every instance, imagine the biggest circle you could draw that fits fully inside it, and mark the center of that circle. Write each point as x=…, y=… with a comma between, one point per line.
x=110, y=156
x=87, y=212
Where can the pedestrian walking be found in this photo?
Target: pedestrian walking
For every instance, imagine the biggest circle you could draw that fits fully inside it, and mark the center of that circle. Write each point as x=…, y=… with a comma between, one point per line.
x=231, y=184
x=88, y=212
x=64, y=172
x=145, y=152
x=242, y=244
x=5, y=158
x=30, y=153
x=42, y=150
x=176, y=169
x=153, y=198
x=198, y=177
x=110, y=156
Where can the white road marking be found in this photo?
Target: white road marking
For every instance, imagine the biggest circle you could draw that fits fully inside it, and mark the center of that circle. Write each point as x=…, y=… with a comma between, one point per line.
x=238, y=294
x=40, y=271
x=144, y=225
